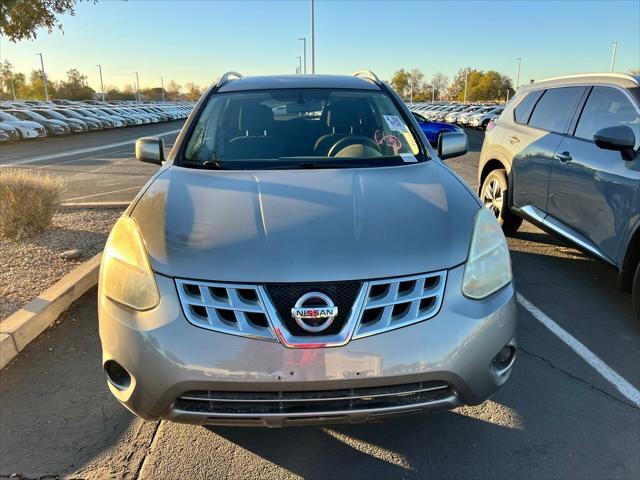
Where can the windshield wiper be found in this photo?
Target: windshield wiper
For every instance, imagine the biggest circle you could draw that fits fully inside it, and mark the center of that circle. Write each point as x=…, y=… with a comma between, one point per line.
x=206, y=165
x=211, y=165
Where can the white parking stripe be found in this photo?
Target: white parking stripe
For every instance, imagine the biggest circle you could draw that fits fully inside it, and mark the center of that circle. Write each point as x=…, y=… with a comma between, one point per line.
x=625, y=388
x=82, y=150
x=103, y=193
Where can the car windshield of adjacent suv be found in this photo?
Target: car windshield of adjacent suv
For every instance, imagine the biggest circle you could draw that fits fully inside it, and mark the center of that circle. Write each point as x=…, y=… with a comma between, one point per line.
x=300, y=128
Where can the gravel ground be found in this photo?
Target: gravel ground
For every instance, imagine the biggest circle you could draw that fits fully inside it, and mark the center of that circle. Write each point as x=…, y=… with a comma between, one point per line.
x=29, y=267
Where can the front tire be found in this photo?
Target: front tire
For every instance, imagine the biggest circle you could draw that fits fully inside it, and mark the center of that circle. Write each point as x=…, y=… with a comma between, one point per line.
x=635, y=292
x=494, y=195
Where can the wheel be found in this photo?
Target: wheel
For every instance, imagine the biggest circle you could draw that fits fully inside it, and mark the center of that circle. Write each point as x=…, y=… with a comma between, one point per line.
x=484, y=125
x=494, y=194
x=635, y=291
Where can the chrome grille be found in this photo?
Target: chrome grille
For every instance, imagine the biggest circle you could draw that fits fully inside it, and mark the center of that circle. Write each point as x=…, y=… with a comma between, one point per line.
x=236, y=309
x=248, y=310
x=312, y=403
x=397, y=302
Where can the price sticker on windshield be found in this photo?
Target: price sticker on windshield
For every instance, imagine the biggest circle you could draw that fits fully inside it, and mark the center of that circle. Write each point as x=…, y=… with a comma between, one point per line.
x=395, y=123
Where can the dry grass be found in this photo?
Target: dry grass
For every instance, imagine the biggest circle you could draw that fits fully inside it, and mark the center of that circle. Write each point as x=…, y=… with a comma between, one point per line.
x=27, y=202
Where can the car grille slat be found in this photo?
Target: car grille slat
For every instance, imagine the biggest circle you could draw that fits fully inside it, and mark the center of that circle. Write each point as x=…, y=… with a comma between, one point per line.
x=310, y=403
x=419, y=298
x=230, y=313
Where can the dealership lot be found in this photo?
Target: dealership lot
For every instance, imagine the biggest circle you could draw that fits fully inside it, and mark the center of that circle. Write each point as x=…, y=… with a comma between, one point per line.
x=556, y=417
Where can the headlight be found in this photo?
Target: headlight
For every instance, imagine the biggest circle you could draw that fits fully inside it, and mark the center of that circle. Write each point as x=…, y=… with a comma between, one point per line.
x=126, y=275
x=488, y=267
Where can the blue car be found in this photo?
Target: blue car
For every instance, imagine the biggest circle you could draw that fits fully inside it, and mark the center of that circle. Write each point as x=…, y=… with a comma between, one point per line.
x=432, y=130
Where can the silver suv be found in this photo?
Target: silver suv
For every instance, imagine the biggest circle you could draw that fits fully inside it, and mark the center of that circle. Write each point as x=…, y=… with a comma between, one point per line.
x=564, y=155
x=303, y=256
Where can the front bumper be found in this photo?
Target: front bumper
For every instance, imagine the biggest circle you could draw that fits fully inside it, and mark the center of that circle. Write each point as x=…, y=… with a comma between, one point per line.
x=167, y=357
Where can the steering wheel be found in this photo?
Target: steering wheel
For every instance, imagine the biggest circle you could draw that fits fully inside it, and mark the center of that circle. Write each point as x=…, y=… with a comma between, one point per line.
x=352, y=140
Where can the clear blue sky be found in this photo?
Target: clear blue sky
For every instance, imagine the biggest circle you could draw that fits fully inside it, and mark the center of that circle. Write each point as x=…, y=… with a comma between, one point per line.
x=189, y=41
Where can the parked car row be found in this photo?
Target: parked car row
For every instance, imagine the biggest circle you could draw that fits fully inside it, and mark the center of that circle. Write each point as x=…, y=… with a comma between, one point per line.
x=476, y=116
x=28, y=119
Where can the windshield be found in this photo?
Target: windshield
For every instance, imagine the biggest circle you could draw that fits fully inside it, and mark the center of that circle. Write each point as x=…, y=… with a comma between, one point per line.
x=300, y=128
x=6, y=116
x=33, y=115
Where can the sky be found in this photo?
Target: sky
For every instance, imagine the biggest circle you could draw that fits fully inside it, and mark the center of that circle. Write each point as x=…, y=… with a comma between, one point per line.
x=197, y=41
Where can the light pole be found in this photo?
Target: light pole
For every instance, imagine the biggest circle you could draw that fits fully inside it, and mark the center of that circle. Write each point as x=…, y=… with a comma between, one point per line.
x=410, y=91
x=162, y=87
x=101, y=85
x=466, y=75
x=137, y=87
x=613, y=56
x=519, y=60
x=13, y=88
x=44, y=78
x=313, y=41
x=299, y=64
x=304, y=53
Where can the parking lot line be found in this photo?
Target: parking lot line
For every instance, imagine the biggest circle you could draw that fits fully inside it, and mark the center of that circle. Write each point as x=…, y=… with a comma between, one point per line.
x=625, y=388
x=103, y=193
x=81, y=151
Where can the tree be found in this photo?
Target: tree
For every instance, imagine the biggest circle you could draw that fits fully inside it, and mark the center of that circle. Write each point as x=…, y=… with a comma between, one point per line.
x=438, y=84
x=75, y=87
x=400, y=82
x=481, y=86
x=20, y=19
x=193, y=92
x=6, y=75
x=173, y=90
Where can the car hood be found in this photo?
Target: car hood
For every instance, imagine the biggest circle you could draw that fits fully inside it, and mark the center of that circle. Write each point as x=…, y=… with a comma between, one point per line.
x=305, y=225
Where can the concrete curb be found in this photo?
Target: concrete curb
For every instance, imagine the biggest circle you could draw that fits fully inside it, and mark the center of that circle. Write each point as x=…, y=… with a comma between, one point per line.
x=79, y=205
x=24, y=326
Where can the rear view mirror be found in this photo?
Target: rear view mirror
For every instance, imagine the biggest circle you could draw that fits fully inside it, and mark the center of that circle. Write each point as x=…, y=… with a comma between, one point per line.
x=150, y=150
x=452, y=144
x=619, y=139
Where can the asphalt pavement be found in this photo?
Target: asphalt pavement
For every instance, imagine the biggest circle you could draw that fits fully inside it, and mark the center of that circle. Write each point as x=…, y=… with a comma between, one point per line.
x=557, y=417
x=95, y=167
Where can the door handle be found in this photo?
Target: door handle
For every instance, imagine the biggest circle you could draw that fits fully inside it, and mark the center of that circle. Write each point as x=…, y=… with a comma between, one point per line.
x=564, y=157
x=514, y=139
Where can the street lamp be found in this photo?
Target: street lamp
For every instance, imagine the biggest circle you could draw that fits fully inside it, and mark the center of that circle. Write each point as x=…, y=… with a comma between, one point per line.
x=519, y=60
x=137, y=87
x=101, y=85
x=304, y=49
x=313, y=42
x=13, y=88
x=44, y=78
x=162, y=87
x=613, y=56
x=466, y=75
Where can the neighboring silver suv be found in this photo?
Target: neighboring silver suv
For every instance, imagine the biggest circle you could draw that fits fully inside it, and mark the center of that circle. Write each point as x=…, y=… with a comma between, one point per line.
x=303, y=256
x=564, y=155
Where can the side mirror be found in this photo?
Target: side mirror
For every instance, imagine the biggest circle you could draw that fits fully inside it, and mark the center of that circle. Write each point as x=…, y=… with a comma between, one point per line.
x=619, y=139
x=452, y=144
x=150, y=150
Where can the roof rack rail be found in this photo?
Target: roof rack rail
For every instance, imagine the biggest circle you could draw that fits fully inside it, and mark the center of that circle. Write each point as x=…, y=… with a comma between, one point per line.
x=226, y=78
x=369, y=75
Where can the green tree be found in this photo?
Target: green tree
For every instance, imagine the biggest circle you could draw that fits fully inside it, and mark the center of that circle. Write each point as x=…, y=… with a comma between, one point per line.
x=481, y=86
x=400, y=82
x=20, y=19
x=75, y=87
x=34, y=90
